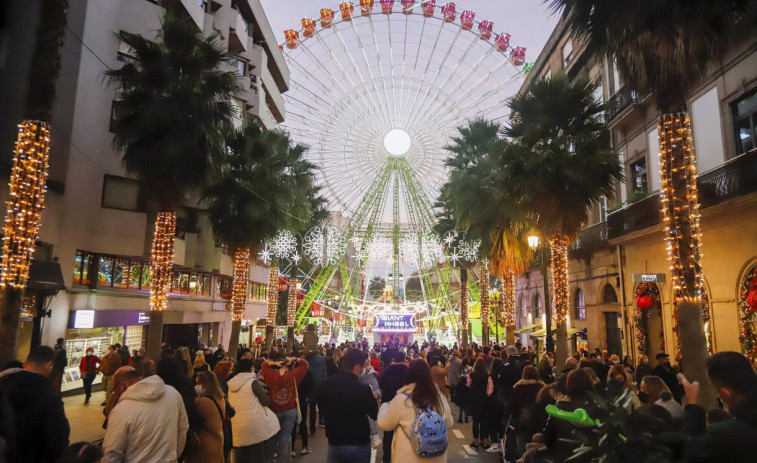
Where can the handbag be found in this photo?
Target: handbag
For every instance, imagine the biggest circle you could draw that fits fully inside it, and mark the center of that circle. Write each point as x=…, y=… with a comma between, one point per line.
x=297, y=401
x=228, y=438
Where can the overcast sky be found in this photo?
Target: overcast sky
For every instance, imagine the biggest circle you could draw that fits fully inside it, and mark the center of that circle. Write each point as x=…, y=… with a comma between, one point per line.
x=529, y=21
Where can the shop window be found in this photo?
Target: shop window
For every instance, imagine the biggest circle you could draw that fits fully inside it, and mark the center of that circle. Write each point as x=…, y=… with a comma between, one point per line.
x=609, y=296
x=580, y=305
x=639, y=175
x=205, y=283
x=121, y=273
x=123, y=193
x=537, y=306
x=81, y=268
x=745, y=122
x=223, y=287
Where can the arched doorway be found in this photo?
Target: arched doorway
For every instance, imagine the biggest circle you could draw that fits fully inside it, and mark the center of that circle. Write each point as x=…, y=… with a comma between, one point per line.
x=650, y=335
x=612, y=319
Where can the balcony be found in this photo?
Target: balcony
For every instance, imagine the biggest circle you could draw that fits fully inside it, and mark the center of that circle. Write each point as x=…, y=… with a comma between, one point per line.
x=621, y=100
x=589, y=240
x=737, y=177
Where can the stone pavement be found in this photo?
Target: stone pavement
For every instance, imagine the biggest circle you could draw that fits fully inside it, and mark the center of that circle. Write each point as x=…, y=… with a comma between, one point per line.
x=86, y=425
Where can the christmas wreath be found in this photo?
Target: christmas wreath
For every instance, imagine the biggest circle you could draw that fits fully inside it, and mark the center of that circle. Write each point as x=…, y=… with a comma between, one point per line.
x=748, y=315
x=647, y=297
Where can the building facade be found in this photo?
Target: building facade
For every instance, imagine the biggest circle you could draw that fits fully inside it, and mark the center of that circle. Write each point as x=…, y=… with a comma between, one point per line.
x=97, y=228
x=621, y=297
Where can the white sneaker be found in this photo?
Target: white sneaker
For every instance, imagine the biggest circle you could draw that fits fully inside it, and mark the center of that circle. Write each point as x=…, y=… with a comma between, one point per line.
x=375, y=441
x=306, y=450
x=493, y=449
x=294, y=454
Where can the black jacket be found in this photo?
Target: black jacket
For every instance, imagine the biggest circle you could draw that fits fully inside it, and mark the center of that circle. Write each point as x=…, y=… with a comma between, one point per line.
x=510, y=374
x=670, y=376
x=346, y=404
x=391, y=380
x=42, y=429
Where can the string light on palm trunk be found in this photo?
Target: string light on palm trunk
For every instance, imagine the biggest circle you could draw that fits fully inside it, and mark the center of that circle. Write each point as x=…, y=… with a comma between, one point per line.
x=508, y=298
x=161, y=259
x=485, y=301
x=464, y=298
x=273, y=296
x=25, y=202
x=292, y=302
x=680, y=213
x=241, y=278
x=558, y=245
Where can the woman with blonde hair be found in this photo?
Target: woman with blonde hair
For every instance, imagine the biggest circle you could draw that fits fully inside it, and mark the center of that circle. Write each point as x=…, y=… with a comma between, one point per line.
x=199, y=365
x=658, y=393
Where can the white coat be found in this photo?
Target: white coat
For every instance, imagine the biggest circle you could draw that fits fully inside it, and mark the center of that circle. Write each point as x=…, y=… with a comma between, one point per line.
x=253, y=423
x=401, y=412
x=149, y=424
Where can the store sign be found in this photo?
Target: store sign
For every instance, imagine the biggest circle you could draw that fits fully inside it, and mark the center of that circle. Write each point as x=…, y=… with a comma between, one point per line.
x=143, y=318
x=84, y=319
x=649, y=278
x=396, y=323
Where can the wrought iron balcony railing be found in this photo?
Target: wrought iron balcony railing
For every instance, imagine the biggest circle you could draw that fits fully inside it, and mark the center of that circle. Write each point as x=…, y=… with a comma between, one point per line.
x=621, y=100
x=589, y=240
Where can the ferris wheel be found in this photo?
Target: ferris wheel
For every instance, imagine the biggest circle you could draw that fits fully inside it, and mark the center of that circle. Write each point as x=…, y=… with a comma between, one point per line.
x=377, y=90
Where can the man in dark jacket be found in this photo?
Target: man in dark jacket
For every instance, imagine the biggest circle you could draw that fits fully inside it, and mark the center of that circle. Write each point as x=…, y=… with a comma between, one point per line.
x=735, y=382
x=42, y=429
x=317, y=370
x=391, y=380
x=347, y=427
x=668, y=374
x=510, y=373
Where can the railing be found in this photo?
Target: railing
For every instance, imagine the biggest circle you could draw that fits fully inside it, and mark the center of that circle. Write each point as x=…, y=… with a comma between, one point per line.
x=637, y=216
x=589, y=240
x=736, y=177
x=621, y=100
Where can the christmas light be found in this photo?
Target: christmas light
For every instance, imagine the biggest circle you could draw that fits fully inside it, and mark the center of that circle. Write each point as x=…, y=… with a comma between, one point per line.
x=25, y=202
x=463, y=299
x=241, y=279
x=292, y=302
x=508, y=298
x=558, y=246
x=748, y=316
x=484, y=291
x=273, y=296
x=161, y=259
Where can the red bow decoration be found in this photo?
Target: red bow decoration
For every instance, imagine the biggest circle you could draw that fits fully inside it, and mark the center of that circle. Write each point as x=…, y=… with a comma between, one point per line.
x=751, y=299
x=645, y=302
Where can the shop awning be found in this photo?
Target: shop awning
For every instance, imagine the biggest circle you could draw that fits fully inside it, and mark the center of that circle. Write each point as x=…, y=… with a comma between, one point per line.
x=527, y=328
x=543, y=332
x=45, y=277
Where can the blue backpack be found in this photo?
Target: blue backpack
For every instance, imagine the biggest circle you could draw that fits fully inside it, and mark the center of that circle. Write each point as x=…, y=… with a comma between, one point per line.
x=428, y=436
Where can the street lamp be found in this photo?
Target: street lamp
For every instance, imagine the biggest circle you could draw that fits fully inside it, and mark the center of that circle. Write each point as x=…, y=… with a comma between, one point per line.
x=533, y=243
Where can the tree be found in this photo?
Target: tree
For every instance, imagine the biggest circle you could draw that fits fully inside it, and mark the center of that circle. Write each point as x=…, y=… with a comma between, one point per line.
x=29, y=172
x=665, y=49
x=249, y=202
x=558, y=164
x=472, y=204
x=173, y=101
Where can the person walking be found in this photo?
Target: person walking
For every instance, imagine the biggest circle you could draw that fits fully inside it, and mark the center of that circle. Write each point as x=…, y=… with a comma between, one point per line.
x=400, y=414
x=199, y=365
x=282, y=375
x=59, y=365
x=110, y=363
x=304, y=391
x=89, y=367
x=40, y=424
x=390, y=382
x=462, y=391
x=148, y=424
x=347, y=427
x=453, y=376
x=254, y=425
x=642, y=370
x=477, y=382
x=318, y=372
x=494, y=407
x=369, y=377
x=208, y=445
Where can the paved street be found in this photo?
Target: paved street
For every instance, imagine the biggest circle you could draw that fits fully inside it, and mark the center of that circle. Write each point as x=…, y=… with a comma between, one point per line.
x=86, y=425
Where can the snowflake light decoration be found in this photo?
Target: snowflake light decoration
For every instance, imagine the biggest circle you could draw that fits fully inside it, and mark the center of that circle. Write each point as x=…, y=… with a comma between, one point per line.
x=265, y=255
x=324, y=245
x=379, y=247
x=284, y=245
x=470, y=249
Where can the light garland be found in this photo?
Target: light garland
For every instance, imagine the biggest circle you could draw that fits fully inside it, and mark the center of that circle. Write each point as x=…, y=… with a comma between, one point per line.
x=273, y=296
x=558, y=245
x=485, y=302
x=241, y=280
x=25, y=202
x=292, y=302
x=680, y=212
x=508, y=298
x=642, y=339
x=161, y=259
x=464, y=298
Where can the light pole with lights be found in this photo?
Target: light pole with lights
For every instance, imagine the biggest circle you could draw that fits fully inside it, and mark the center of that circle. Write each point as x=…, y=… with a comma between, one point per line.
x=533, y=243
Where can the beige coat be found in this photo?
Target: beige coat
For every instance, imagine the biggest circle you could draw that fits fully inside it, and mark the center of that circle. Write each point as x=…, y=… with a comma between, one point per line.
x=400, y=412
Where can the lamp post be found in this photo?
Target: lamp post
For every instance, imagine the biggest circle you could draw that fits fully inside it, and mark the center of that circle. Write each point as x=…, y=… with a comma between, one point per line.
x=533, y=243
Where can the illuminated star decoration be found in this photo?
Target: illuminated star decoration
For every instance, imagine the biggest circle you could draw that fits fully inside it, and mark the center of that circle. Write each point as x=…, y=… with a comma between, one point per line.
x=265, y=255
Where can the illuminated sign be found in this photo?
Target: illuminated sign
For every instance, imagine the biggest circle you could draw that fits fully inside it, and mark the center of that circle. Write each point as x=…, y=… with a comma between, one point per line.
x=394, y=323
x=649, y=278
x=84, y=319
x=143, y=318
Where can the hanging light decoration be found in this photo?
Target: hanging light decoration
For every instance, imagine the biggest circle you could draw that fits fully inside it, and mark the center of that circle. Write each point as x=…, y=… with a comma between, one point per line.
x=273, y=296
x=485, y=302
x=25, y=202
x=508, y=298
x=558, y=245
x=161, y=259
x=292, y=302
x=241, y=280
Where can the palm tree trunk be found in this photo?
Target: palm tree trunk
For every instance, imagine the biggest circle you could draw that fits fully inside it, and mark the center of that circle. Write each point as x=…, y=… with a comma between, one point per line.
x=291, y=312
x=239, y=295
x=273, y=305
x=464, y=308
x=485, y=309
x=680, y=208
x=161, y=259
x=24, y=206
x=558, y=245
x=508, y=302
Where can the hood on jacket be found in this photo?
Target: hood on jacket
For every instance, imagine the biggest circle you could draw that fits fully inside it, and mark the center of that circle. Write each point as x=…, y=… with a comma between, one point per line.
x=236, y=383
x=149, y=389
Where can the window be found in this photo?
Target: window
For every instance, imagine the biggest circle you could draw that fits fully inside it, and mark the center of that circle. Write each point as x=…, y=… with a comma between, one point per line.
x=112, y=271
x=223, y=288
x=537, y=305
x=125, y=53
x=238, y=65
x=639, y=175
x=123, y=193
x=522, y=310
x=567, y=52
x=599, y=98
x=580, y=305
x=114, y=108
x=745, y=123
x=609, y=296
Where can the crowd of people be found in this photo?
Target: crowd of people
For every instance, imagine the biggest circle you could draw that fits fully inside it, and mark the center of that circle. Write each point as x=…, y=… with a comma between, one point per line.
x=264, y=405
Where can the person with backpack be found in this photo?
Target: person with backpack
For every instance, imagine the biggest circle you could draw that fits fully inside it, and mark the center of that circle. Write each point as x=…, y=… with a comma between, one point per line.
x=419, y=414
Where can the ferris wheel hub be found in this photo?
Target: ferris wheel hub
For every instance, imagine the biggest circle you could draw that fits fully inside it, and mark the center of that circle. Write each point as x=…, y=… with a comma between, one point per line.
x=397, y=143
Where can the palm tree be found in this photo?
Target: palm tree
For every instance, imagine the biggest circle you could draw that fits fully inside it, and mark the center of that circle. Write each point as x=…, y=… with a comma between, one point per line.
x=173, y=100
x=248, y=203
x=558, y=164
x=29, y=172
x=474, y=206
x=665, y=49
